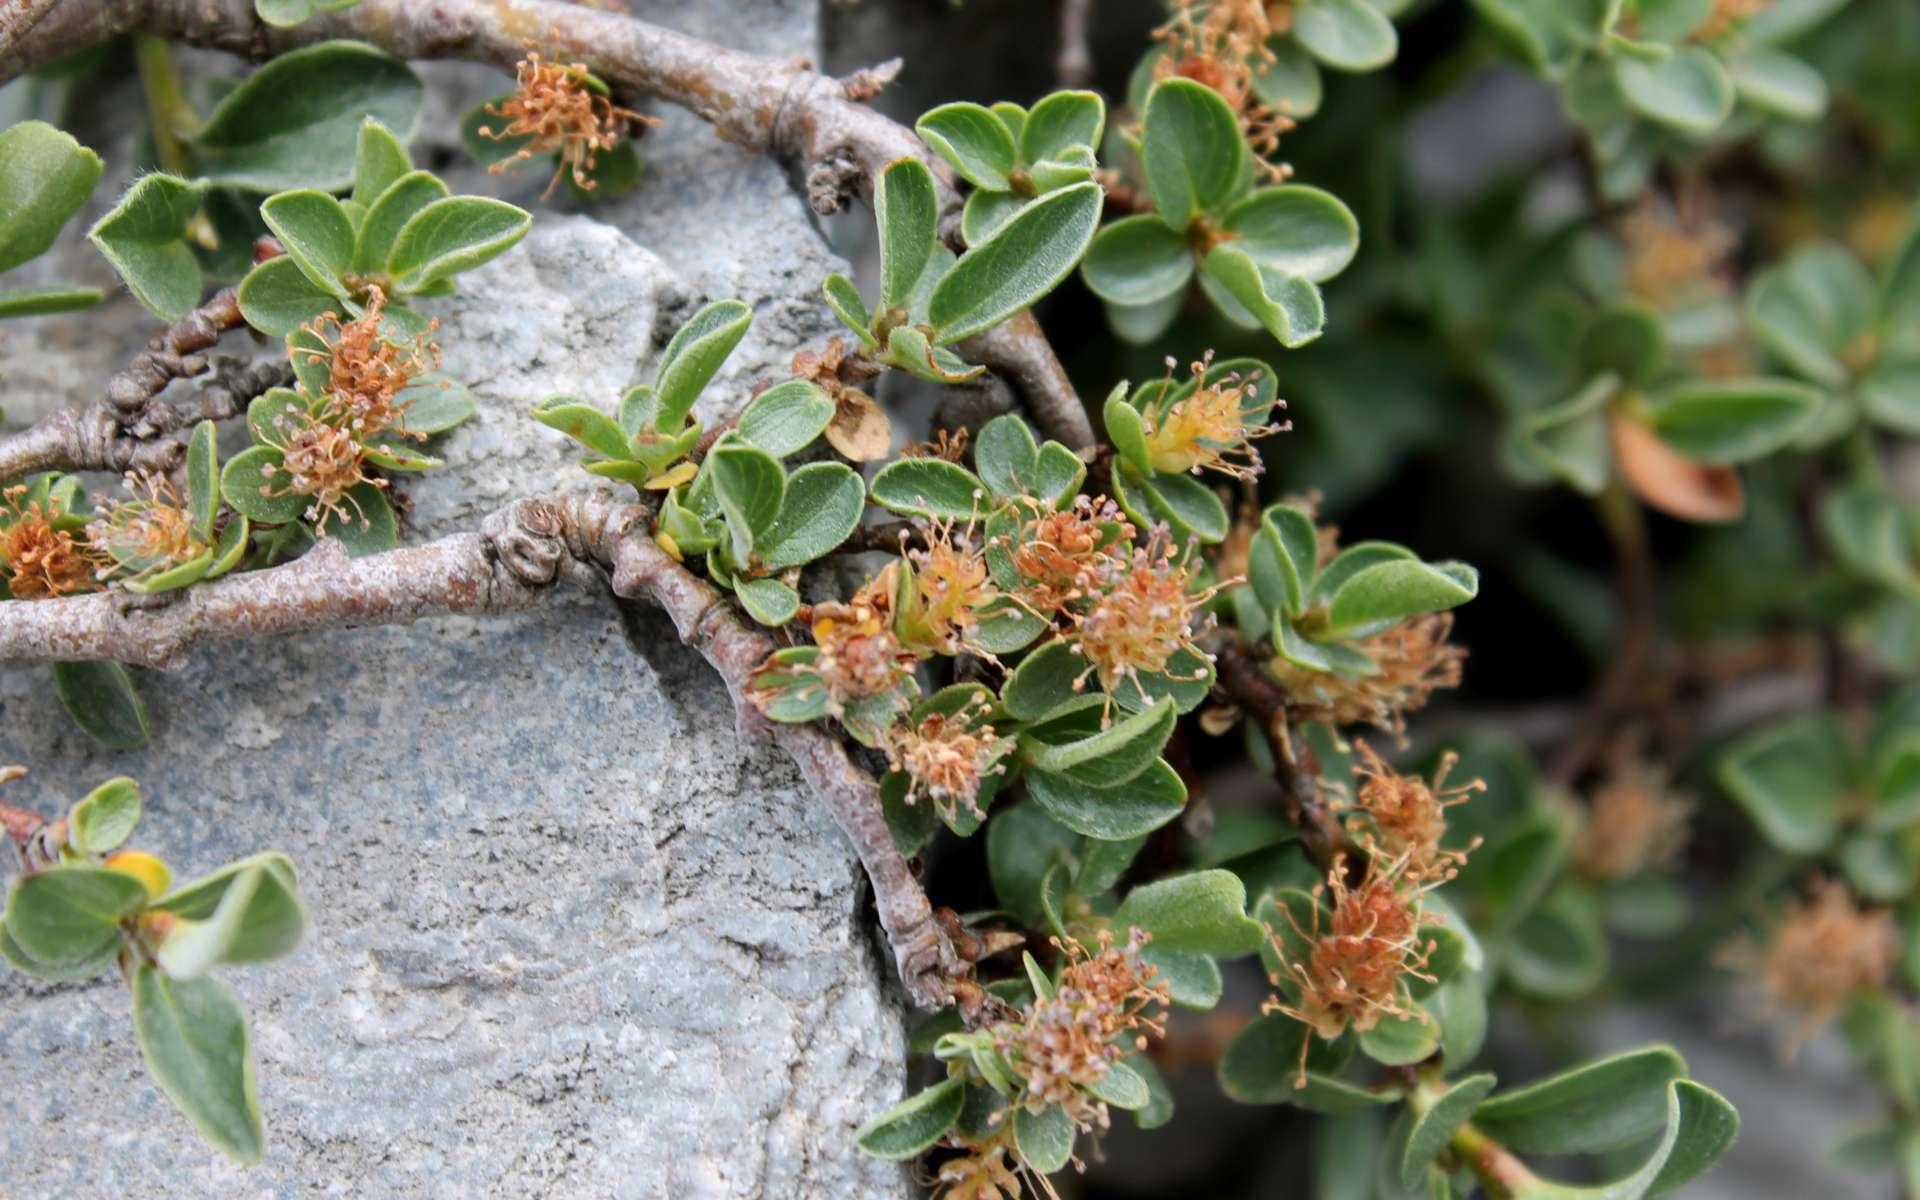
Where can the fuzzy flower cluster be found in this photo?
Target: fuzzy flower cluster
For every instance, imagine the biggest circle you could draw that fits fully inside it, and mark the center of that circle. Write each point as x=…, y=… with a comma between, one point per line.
x=148, y=535
x=1211, y=429
x=1414, y=659
x=1104, y=1008
x=560, y=109
x=947, y=757
x=324, y=447
x=1151, y=612
x=1064, y=557
x=1400, y=815
x=40, y=556
x=1357, y=970
x=368, y=369
x=950, y=589
x=1633, y=822
x=1223, y=44
x=1823, y=951
x=860, y=655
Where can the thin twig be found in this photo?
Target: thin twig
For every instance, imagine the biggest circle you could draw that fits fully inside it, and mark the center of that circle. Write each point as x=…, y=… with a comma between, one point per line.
x=1626, y=527
x=770, y=105
x=1244, y=680
x=1073, y=65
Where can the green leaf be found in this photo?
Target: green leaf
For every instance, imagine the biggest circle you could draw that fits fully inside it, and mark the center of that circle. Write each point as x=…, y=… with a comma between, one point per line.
x=907, y=207
x=270, y=413
x=1401, y=1041
x=1388, y=591
x=105, y=817
x=1434, y=1124
x=1203, y=912
x=53, y=298
x=750, y=486
x=1890, y=396
x=1868, y=534
x=1348, y=35
x=785, y=418
x=1296, y=230
x=1057, y=474
x=435, y=404
x=1776, y=82
x=767, y=601
x=1572, y=440
x=70, y=915
x=973, y=141
x=1551, y=35
x=1122, y=1087
x=929, y=487
x=242, y=482
x=388, y=213
x=20, y=960
x=1023, y=844
x=259, y=918
x=1629, y=341
x=1194, y=155
x=1128, y=810
x=1044, y=1139
x=1112, y=756
x=100, y=698
x=1597, y=1106
x=1018, y=265
x=1687, y=88
x=1287, y=306
x=277, y=298
x=820, y=509
x=1791, y=779
x=370, y=526
x=844, y=299
x=452, y=235
x=986, y=213
x=1558, y=950
x=1193, y=980
x=45, y=176
x=1125, y=429
x=585, y=424
x=379, y=160
x=194, y=1035
x=1061, y=121
x=1006, y=456
x=296, y=121
x=1188, y=506
x=203, y=479
x=144, y=238
x=1700, y=1125
x=317, y=235
x=1262, y=1066
x=914, y=1124
x=1732, y=420
x=694, y=356
x=1042, y=682
x=201, y=898
x=1138, y=260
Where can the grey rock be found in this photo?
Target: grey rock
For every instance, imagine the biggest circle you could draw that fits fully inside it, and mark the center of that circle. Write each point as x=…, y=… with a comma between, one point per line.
x=571, y=935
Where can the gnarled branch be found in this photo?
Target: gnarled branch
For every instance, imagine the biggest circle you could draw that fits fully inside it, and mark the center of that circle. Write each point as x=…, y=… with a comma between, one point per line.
x=774, y=106
x=508, y=566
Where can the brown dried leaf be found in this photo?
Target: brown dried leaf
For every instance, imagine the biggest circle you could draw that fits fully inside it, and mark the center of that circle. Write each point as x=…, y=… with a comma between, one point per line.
x=859, y=429
x=1675, y=485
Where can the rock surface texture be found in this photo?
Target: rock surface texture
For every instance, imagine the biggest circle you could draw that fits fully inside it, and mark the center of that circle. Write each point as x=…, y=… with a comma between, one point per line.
x=570, y=935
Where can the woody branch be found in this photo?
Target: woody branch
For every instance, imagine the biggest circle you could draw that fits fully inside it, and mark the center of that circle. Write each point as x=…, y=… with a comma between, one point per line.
x=509, y=566
x=773, y=106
